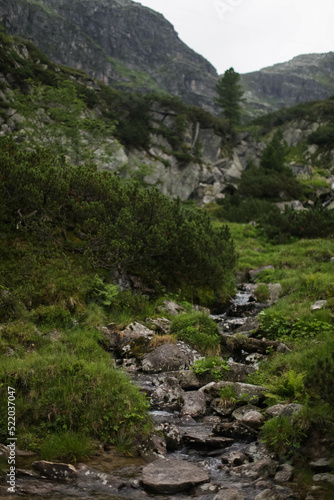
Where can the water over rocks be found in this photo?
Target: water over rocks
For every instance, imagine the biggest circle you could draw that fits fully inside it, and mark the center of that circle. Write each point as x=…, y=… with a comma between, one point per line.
x=205, y=446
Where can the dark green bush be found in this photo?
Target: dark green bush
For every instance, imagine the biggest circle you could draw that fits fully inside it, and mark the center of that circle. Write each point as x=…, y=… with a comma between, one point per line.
x=197, y=329
x=323, y=136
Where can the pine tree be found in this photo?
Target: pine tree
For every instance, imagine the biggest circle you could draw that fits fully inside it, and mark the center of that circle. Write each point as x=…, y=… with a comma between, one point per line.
x=230, y=95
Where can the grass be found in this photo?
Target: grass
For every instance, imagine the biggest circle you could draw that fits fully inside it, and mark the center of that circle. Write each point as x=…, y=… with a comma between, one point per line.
x=198, y=330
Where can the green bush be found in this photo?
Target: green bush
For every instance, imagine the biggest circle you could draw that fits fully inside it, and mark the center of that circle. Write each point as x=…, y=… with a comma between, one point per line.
x=66, y=446
x=282, y=436
x=213, y=366
x=323, y=136
x=197, y=329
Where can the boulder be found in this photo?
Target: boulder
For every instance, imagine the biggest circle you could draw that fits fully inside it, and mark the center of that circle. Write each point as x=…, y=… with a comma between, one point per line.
x=238, y=372
x=171, y=307
x=253, y=418
x=223, y=407
x=229, y=494
x=168, y=395
x=319, y=304
x=284, y=473
x=235, y=429
x=58, y=471
x=262, y=468
x=321, y=465
x=205, y=439
x=187, y=379
x=165, y=358
x=194, y=404
x=172, y=435
x=159, y=325
x=172, y=476
x=326, y=478
x=234, y=459
x=136, y=330
x=152, y=448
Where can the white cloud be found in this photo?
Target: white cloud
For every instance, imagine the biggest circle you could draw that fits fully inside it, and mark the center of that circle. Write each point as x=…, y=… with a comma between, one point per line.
x=250, y=34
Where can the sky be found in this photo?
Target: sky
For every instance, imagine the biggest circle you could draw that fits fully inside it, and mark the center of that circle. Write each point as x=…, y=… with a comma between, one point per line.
x=250, y=34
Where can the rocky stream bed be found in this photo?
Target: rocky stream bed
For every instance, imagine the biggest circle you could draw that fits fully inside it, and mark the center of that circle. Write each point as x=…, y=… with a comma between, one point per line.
x=203, y=447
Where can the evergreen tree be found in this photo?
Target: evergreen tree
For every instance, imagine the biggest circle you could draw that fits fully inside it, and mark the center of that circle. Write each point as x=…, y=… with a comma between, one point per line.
x=230, y=95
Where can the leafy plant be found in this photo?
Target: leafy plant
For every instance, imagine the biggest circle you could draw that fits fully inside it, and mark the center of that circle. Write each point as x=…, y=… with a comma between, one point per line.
x=199, y=330
x=282, y=436
x=213, y=366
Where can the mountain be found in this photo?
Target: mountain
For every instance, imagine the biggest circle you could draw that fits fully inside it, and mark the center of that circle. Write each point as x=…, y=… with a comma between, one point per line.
x=119, y=42
x=305, y=78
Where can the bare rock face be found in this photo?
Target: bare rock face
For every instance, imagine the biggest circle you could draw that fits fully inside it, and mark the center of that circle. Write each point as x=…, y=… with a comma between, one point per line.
x=172, y=476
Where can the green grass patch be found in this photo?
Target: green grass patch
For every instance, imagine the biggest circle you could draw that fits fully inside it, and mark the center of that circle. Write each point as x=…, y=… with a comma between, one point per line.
x=197, y=329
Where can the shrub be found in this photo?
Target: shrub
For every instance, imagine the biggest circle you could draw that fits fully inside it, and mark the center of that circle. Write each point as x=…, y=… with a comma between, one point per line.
x=66, y=446
x=197, y=329
x=282, y=436
x=213, y=366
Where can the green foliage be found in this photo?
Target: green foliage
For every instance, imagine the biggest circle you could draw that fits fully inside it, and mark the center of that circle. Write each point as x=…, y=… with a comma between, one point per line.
x=197, y=329
x=318, y=222
x=286, y=388
x=120, y=225
x=230, y=96
x=214, y=366
x=228, y=394
x=323, y=136
x=275, y=326
x=282, y=436
x=274, y=153
x=71, y=386
x=262, y=292
x=66, y=446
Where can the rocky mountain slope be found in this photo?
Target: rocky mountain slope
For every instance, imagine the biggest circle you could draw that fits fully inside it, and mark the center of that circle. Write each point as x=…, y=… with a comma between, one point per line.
x=305, y=78
x=119, y=42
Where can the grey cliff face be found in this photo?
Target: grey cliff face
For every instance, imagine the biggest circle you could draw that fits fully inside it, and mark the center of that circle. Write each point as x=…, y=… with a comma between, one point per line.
x=118, y=42
x=305, y=78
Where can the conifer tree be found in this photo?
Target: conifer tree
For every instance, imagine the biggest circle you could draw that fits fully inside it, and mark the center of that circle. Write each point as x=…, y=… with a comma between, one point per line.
x=230, y=95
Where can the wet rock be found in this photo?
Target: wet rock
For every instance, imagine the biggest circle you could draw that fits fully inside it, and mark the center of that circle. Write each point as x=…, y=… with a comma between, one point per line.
x=205, y=489
x=249, y=326
x=165, y=358
x=262, y=468
x=52, y=470
x=152, y=448
x=187, y=420
x=172, y=476
x=171, y=307
x=172, y=435
x=205, y=439
x=235, y=429
x=284, y=473
x=92, y=480
x=253, y=273
x=234, y=459
x=269, y=495
x=194, y=404
x=326, y=478
x=238, y=372
x=167, y=396
x=229, y=494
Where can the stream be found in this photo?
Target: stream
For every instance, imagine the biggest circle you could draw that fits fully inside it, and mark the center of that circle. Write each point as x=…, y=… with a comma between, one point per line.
x=227, y=460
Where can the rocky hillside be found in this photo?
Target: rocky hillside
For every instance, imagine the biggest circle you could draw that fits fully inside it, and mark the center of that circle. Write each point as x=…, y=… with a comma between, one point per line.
x=119, y=42
x=305, y=78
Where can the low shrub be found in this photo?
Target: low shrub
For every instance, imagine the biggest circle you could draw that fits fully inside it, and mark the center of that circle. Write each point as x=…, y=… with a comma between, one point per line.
x=197, y=329
x=213, y=366
x=282, y=436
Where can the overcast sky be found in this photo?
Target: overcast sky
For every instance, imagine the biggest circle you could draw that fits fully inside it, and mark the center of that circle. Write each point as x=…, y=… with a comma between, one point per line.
x=250, y=34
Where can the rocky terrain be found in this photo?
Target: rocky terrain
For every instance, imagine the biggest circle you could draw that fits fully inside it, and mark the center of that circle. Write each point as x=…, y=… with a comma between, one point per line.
x=118, y=42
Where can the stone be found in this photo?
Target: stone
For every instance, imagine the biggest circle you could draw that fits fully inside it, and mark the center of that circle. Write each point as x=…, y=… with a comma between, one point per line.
x=268, y=494
x=165, y=358
x=171, y=307
x=160, y=325
x=229, y=494
x=321, y=465
x=187, y=379
x=275, y=291
x=235, y=429
x=152, y=447
x=234, y=459
x=136, y=330
x=319, y=304
x=238, y=372
x=168, y=395
x=326, y=478
x=205, y=439
x=262, y=468
x=254, y=419
x=172, y=435
x=172, y=476
x=58, y=471
x=284, y=473
x=249, y=393
x=194, y=404
x=240, y=412
x=223, y=407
